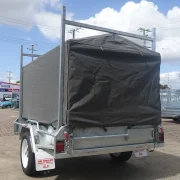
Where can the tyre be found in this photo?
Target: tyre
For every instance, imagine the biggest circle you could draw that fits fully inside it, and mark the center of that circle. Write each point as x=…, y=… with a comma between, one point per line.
x=176, y=118
x=121, y=157
x=27, y=156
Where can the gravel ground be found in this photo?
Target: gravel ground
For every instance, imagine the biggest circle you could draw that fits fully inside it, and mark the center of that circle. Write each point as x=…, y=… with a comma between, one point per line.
x=163, y=164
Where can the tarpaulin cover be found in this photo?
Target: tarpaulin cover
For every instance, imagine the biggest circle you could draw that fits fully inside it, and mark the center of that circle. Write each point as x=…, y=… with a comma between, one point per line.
x=108, y=81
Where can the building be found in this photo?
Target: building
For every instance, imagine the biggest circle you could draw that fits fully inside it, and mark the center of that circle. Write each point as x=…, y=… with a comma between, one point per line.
x=9, y=90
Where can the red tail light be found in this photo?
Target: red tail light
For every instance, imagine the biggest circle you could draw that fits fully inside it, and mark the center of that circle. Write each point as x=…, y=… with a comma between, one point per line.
x=59, y=147
x=160, y=135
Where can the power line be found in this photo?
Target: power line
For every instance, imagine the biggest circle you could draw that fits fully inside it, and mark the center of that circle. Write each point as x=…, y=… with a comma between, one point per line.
x=54, y=28
x=42, y=45
x=167, y=28
x=27, y=23
x=20, y=22
x=20, y=39
x=43, y=48
x=171, y=23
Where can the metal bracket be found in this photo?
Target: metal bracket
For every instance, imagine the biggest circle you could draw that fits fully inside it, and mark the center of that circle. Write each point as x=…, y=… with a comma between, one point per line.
x=31, y=55
x=45, y=132
x=95, y=137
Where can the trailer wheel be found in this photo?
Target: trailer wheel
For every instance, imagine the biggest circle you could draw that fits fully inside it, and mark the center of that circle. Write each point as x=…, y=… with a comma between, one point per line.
x=27, y=156
x=121, y=157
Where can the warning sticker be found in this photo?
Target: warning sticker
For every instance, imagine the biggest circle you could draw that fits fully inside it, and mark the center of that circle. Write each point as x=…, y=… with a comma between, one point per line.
x=44, y=161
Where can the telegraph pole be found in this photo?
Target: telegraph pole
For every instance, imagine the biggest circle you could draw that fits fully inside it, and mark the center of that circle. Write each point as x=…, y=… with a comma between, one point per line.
x=9, y=76
x=144, y=31
x=73, y=31
x=31, y=48
x=168, y=79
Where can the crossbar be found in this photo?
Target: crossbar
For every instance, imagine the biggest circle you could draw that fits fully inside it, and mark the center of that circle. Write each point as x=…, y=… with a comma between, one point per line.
x=97, y=137
x=107, y=30
x=31, y=55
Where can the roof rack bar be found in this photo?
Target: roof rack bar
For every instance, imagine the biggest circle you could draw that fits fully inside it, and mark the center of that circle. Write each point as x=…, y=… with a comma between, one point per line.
x=107, y=30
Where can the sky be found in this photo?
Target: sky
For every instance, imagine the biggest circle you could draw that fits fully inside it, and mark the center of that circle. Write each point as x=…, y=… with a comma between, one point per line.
x=38, y=22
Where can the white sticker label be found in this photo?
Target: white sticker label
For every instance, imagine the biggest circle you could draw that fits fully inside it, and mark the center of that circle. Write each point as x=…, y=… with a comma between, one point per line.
x=140, y=153
x=44, y=161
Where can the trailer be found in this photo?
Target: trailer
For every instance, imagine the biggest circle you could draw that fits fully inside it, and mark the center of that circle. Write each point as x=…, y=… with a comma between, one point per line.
x=105, y=100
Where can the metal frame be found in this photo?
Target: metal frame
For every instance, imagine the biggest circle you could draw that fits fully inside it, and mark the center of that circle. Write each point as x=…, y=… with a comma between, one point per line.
x=61, y=68
x=35, y=147
x=107, y=150
x=154, y=39
x=107, y=30
x=70, y=152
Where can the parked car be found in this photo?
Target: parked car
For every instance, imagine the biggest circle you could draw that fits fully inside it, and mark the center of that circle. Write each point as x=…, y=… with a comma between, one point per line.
x=171, y=113
x=15, y=102
x=5, y=104
x=170, y=104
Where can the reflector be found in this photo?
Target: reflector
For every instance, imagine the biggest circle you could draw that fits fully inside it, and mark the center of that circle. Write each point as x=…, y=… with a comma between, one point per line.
x=59, y=147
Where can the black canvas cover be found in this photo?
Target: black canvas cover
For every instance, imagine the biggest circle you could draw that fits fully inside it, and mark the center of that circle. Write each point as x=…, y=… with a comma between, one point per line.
x=110, y=81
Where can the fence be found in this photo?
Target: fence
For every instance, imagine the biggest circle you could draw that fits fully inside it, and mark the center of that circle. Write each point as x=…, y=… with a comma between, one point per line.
x=170, y=98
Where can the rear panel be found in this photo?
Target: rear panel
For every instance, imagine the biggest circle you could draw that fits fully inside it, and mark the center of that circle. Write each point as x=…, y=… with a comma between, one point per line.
x=88, y=138
x=111, y=82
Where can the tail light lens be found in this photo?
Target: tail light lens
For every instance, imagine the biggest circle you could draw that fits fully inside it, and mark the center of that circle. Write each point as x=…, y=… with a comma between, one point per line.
x=160, y=134
x=60, y=147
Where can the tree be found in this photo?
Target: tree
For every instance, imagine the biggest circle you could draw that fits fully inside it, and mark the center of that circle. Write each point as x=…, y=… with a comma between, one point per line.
x=164, y=86
x=17, y=82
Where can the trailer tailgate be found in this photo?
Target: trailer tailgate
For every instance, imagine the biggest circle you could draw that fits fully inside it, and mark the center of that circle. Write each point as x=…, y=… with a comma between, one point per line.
x=88, y=138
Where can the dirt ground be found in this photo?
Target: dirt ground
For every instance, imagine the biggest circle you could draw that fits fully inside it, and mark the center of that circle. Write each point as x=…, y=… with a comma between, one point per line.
x=163, y=164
